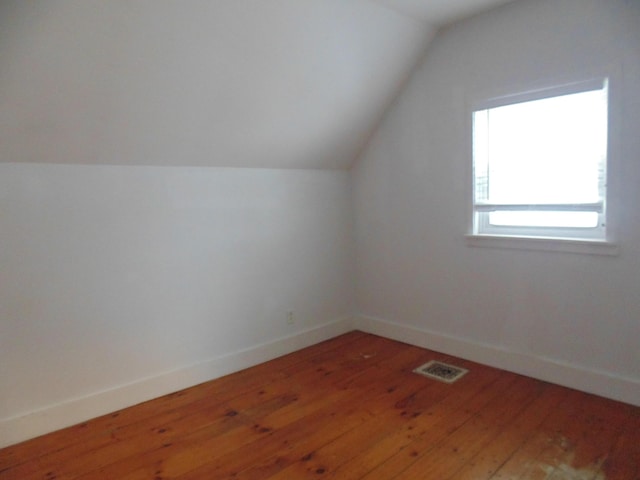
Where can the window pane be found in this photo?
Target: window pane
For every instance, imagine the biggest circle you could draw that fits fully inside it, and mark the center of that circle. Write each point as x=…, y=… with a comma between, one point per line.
x=548, y=151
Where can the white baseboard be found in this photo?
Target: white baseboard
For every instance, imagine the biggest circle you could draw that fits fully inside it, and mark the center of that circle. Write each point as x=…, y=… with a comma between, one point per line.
x=73, y=411
x=588, y=380
x=54, y=417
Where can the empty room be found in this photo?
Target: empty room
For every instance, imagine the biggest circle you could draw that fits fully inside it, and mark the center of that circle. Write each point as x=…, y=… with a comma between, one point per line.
x=347, y=239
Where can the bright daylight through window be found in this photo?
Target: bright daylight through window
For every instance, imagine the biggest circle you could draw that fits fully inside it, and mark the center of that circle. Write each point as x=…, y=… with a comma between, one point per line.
x=540, y=164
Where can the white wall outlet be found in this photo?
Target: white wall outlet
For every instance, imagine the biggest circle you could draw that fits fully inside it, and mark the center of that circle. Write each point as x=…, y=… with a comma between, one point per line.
x=290, y=318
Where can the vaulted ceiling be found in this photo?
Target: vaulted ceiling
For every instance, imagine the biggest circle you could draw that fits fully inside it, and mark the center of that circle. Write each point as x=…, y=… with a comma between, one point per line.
x=242, y=83
x=440, y=12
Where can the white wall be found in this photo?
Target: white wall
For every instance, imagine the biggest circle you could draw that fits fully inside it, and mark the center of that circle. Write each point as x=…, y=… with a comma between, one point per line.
x=121, y=283
x=569, y=318
x=118, y=284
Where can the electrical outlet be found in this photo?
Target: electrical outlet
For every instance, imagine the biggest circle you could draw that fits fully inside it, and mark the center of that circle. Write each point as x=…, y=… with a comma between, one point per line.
x=290, y=318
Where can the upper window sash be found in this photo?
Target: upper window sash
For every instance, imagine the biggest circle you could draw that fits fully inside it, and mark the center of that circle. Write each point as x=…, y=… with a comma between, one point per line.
x=599, y=83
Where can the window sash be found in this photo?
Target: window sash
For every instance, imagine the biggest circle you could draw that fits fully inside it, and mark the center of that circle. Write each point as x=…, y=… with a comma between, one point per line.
x=597, y=207
x=483, y=205
x=600, y=83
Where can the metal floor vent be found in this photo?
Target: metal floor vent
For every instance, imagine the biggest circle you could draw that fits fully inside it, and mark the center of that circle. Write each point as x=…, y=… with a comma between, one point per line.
x=441, y=371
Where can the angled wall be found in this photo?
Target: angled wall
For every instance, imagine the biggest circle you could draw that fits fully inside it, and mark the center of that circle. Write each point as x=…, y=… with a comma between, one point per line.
x=564, y=317
x=247, y=83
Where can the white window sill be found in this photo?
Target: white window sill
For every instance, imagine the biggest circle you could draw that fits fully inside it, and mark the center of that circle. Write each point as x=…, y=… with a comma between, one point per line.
x=589, y=247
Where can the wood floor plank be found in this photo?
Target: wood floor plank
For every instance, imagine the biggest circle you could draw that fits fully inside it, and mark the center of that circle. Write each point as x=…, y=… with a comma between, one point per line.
x=193, y=429
x=321, y=423
x=228, y=385
x=376, y=397
x=452, y=451
x=623, y=461
x=423, y=412
x=590, y=438
x=573, y=438
x=450, y=416
x=545, y=443
x=475, y=436
x=184, y=418
x=349, y=408
x=388, y=403
x=487, y=461
x=308, y=379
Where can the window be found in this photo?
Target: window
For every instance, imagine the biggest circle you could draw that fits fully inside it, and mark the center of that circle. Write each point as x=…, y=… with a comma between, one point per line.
x=540, y=164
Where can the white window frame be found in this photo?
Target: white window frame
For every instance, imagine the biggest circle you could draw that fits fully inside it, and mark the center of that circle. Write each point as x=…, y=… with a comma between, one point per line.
x=599, y=240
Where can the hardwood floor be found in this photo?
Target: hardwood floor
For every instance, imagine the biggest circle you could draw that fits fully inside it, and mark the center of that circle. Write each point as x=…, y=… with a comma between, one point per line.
x=348, y=408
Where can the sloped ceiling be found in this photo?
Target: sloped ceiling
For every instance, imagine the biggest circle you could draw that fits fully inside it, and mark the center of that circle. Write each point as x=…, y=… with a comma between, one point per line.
x=242, y=83
x=441, y=12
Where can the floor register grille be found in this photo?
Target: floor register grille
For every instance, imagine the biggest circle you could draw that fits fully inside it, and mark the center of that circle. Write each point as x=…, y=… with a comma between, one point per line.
x=441, y=371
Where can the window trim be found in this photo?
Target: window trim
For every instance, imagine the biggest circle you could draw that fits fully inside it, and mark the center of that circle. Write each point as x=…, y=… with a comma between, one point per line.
x=480, y=100
x=546, y=244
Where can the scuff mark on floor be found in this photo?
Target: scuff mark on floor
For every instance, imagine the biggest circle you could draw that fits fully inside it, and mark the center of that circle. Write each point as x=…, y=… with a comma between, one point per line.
x=565, y=471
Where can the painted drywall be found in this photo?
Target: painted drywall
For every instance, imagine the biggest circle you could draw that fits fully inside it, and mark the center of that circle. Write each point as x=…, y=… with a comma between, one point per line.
x=441, y=12
x=243, y=83
x=414, y=270
x=113, y=275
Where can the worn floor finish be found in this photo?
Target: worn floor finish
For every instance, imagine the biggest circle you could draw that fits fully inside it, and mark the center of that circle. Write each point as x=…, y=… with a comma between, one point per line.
x=349, y=408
